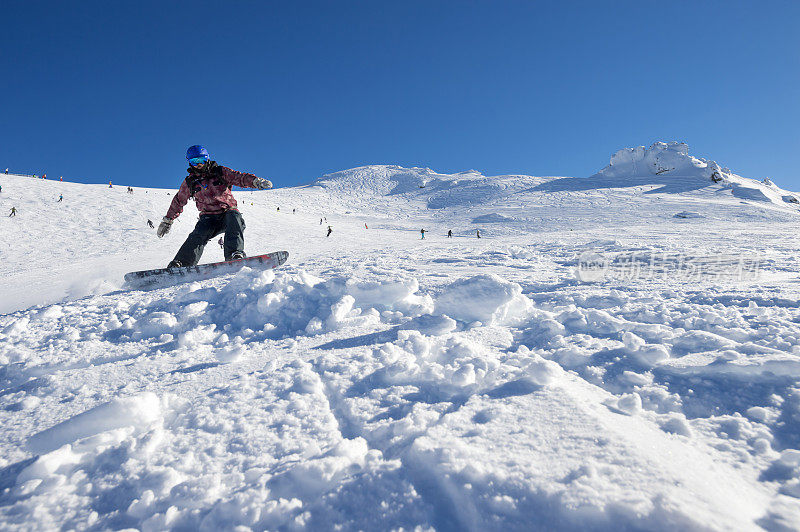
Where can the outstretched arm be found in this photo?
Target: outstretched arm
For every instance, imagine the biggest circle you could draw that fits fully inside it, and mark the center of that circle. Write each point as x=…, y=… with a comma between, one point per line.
x=245, y=180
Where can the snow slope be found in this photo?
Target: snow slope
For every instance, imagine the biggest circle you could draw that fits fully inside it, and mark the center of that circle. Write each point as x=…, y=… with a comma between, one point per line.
x=380, y=381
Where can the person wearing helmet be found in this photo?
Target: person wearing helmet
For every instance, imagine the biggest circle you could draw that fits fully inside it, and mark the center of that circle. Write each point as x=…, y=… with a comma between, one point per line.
x=210, y=185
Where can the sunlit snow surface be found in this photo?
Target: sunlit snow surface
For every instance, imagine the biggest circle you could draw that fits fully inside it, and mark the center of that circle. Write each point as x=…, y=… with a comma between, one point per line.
x=380, y=381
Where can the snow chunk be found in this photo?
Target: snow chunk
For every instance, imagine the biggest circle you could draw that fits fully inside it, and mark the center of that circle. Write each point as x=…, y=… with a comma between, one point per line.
x=230, y=353
x=676, y=424
x=155, y=325
x=46, y=465
x=17, y=326
x=432, y=325
x=651, y=354
x=312, y=477
x=629, y=403
x=52, y=312
x=486, y=298
x=631, y=341
x=139, y=411
x=399, y=295
x=698, y=341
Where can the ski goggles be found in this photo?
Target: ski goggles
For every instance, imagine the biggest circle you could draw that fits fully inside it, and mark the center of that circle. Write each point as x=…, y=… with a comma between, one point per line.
x=194, y=161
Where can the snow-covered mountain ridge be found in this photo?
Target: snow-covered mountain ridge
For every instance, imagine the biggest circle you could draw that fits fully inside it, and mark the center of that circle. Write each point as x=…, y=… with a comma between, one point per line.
x=382, y=381
x=662, y=168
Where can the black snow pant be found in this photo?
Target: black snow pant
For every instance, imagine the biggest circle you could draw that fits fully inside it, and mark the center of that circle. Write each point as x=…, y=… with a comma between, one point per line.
x=209, y=226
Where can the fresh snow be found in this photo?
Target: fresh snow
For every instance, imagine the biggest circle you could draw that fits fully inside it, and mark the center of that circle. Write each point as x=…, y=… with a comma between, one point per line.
x=380, y=381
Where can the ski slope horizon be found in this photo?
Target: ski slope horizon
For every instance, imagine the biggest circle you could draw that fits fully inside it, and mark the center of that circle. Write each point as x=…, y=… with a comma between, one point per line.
x=395, y=197
x=378, y=380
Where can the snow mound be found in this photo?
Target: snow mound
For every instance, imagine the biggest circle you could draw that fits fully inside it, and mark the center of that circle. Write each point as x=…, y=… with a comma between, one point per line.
x=686, y=174
x=139, y=411
x=670, y=158
x=273, y=306
x=484, y=298
x=377, y=179
x=419, y=187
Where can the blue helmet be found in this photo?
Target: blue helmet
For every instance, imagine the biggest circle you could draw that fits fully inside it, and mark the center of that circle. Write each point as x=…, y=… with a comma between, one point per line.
x=196, y=151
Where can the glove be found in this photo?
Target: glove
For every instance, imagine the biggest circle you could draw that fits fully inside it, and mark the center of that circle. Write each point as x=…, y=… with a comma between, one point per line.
x=261, y=183
x=164, y=227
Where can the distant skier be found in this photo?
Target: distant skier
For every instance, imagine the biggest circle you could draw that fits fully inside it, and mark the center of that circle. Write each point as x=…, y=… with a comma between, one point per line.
x=330, y=230
x=6, y=170
x=320, y=221
x=210, y=185
x=449, y=233
x=279, y=209
x=478, y=233
x=13, y=212
x=110, y=185
x=1, y=188
x=150, y=223
x=366, y=226
x=422, y=232
x=60, y=198
x=294, y=210
x=44, y=176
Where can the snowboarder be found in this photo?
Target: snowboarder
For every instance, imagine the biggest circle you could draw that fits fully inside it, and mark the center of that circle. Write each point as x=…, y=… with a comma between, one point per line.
x=13, y=212
x=449, y=233
x=478, y=233
x=150, y=223
x=330, y=230
x=60, y=198
x=422, y=231
x=210, y=185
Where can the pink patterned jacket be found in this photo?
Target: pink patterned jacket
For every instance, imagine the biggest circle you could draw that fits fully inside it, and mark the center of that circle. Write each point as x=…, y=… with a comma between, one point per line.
x=211, y=189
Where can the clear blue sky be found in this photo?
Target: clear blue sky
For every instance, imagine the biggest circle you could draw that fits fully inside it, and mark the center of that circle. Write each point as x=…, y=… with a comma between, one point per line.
x=292, y=90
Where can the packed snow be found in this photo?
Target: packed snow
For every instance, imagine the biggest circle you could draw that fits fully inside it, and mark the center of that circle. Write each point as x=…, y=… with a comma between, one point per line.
x=620, y=351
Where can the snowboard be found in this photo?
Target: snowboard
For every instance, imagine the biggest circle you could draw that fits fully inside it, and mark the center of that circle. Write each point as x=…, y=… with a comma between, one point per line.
x=204, y=271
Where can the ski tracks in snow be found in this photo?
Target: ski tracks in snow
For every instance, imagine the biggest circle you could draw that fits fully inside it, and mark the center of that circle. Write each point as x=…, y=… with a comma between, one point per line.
x=288, y=400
